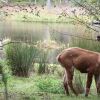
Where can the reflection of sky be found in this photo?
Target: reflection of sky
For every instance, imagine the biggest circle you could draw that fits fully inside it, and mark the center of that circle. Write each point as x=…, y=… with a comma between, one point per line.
x=47, y=33
x=48, y=4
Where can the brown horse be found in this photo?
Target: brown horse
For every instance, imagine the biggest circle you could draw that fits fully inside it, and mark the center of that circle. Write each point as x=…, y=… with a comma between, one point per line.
x=83, y=60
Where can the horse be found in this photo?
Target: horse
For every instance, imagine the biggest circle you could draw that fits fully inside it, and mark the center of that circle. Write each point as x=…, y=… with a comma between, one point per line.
x=83, y=60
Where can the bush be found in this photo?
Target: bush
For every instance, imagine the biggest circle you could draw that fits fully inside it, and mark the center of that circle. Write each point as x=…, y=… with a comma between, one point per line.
x=50, y=84
x=20, y=56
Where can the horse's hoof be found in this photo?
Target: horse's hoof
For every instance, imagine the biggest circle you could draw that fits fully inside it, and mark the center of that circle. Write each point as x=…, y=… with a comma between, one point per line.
x=86, y=95
x=98, y=94
x=76, y=94
x=67, y=94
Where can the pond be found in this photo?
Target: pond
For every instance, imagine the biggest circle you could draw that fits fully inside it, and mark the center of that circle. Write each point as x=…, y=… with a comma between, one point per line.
x=50, y=34
x=28, y=31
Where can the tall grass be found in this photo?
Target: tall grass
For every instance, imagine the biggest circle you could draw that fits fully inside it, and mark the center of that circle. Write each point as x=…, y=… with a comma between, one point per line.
x=20, y=56
x=86, y=44
x=42, y=61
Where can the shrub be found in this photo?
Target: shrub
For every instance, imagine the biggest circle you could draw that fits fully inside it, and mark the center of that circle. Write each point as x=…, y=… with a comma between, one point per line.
x=20, y=56
x=50, y=84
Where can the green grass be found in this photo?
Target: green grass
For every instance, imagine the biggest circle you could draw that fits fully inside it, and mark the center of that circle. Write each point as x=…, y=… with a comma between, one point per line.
x=29, y=88
x=49, y=96
x=27, y=17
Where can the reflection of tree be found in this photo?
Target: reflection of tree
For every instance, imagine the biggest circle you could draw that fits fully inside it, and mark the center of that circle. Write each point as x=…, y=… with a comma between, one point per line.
x=91, y=13
x=60, y=38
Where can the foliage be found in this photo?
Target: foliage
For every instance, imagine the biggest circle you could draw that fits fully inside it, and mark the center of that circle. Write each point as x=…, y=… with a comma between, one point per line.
x=46, y=55
x=87, y=1
x=91, y=10
x=4, y=77
x=37, y=1
x=20, y=57
x=50, y=85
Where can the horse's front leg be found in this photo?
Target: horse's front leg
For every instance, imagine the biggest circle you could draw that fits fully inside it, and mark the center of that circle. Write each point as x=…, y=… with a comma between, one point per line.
x=70, y=74
x=88, y=84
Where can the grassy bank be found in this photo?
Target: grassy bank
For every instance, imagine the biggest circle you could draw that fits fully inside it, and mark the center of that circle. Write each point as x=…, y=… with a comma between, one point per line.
x=51, y=18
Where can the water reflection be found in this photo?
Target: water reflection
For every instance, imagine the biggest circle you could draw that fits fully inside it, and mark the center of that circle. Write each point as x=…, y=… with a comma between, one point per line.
x=26, y=31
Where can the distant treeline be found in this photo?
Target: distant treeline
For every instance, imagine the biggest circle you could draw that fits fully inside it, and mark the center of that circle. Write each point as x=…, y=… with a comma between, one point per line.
x=51, y=1
x=37, y=1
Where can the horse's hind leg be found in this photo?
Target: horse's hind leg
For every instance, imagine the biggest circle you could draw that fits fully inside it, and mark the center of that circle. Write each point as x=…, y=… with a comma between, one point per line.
x=65, y=83
x=70, y=73
x=97, y=81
